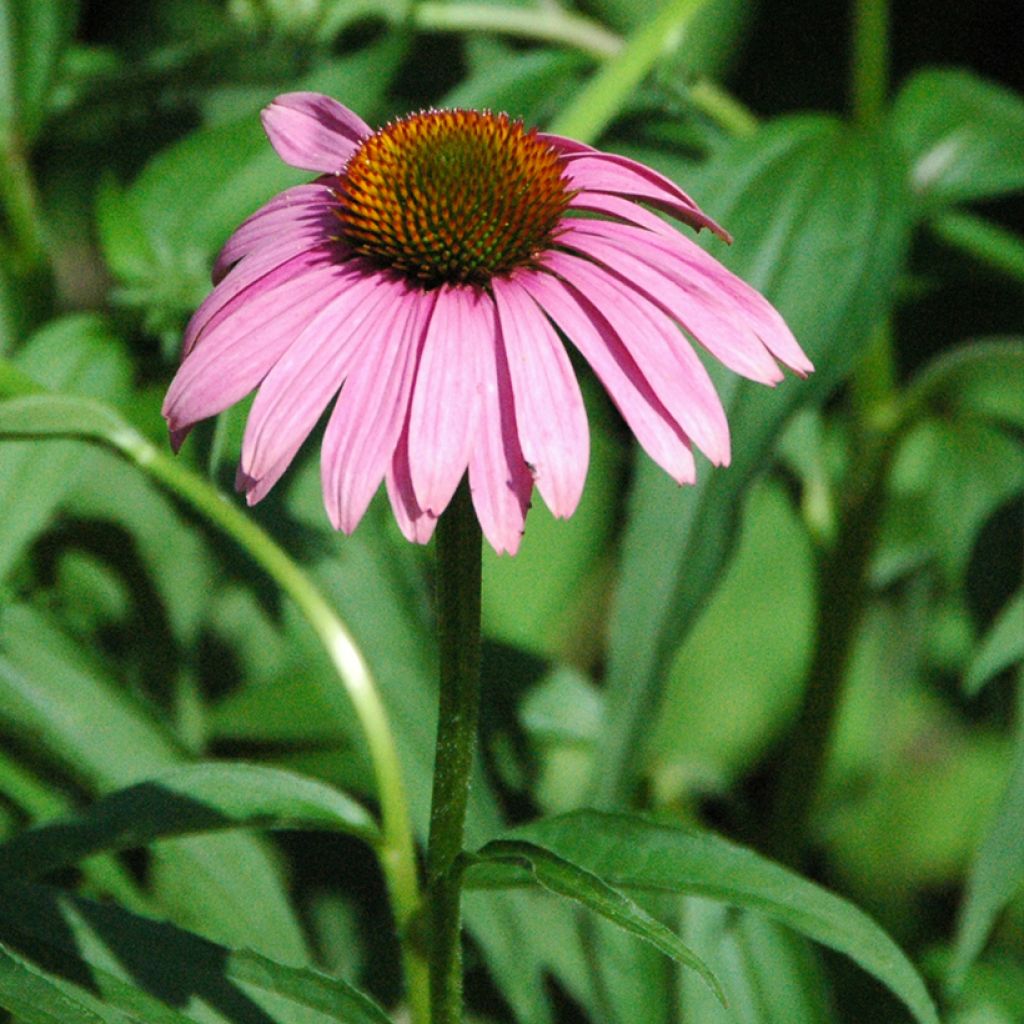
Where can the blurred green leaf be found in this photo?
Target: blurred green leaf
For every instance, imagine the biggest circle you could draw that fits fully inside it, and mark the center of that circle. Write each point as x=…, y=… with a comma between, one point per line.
x=130, y=968
x=33, y=35
x=566, y=878
x=55, y=696
x=769, y=974
x=963, y=136
x=997, y=872
x=79, y=354
x=982, y=378
x=631, y=853
x=1000, y=648
x=819, y=215
x=205, y=797
x=727, y=700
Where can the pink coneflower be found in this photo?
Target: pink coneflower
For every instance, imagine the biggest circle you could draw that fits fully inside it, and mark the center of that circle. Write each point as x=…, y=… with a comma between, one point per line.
x=424, y=278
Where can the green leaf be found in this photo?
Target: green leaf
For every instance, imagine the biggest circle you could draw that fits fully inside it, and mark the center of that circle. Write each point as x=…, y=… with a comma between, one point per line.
x=34, y=999
x=769, y=974
x=981, y=378
x=564, y=878
x=963, y=136
x=997, y=872
x=56, y=696
x=205, y=797
x=126, y=967
x=1001, y=647
x=80, y=354
x=726, y=702
x=33, y=34
x=819, y=217
x=634, y=854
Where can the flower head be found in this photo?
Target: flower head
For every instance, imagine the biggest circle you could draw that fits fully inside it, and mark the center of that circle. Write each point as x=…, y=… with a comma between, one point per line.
x=422, y=281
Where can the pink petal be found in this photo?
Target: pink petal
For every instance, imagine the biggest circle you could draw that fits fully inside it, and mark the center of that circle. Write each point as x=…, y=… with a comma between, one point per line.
x=721, y=328
x=616, y=206
x=296, y=391
x=313, y=131
x=240, y=349
x=549, y=407
x=564, y=144
x=416, y=525
x=618, y=175
x=304, y=211
x=364, y=428
x=445, y=400
x=284, y=260
x=652, y=425
x=499, y=480
x=663, y=355
x=770, y=326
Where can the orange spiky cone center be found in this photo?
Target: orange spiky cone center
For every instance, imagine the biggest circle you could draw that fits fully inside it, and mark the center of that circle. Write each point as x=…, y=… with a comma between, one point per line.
x=453, y=196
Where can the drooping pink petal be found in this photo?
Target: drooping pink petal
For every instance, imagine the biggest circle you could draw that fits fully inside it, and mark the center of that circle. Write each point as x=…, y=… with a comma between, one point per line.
x=296, y=391
x=730, y=338
x=301, y=212
x=499, y=480
x=240, y=349
x=661, y=352
x=564, y=144
x=313, y=131
x=256, y=274
x=416, y=525
x=622, y=209
x=658, y=433
x=549, y=408
x=618, y=175
x=445, y=400
x=364, y=428
x=770, y=327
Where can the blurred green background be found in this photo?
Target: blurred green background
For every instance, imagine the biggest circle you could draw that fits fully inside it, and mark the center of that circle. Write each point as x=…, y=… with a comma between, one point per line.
x=662, y=650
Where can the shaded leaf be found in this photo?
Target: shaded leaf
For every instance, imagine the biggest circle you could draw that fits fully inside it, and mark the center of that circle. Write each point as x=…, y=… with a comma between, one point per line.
x=135, y=968
x=55, y=695
x=1000, y=648
x=819, y=216
x=997, y=872
x=33, y=35
x=206, y=797
x=631, y=853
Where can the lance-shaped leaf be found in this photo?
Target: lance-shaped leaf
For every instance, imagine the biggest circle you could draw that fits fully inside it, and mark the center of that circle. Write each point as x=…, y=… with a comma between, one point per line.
x=819, y=216
x=635, y=855
x=200, y=798
x=125, y=968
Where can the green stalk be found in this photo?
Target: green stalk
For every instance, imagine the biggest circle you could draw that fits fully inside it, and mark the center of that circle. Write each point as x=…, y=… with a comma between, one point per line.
x=544, y=25
x=458, y=607
x=988, y=243
x=596, y=105
x=396, y=849
x=869, y=71
x=21, y=208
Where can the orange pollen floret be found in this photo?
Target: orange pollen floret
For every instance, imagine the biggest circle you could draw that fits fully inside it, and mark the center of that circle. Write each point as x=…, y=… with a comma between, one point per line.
x=453, y=195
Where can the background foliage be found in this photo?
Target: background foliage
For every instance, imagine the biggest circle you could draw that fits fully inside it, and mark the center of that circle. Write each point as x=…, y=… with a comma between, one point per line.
x=815, y=653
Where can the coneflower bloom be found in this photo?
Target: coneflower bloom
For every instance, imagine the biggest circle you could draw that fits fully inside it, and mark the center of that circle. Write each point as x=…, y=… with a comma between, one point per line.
x=423, y=281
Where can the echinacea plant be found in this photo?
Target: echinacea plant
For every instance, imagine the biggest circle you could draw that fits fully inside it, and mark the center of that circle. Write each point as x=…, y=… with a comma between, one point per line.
x=424, y=283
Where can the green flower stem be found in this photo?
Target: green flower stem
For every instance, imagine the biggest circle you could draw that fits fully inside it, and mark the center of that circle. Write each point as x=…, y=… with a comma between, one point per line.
x=21, y=207
x=992, y=245
x=546, y=25
x=723, y=108
x=842, y=595
x=396, y=850
x=869, y=72
x=458, y=603
x=600, y=100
